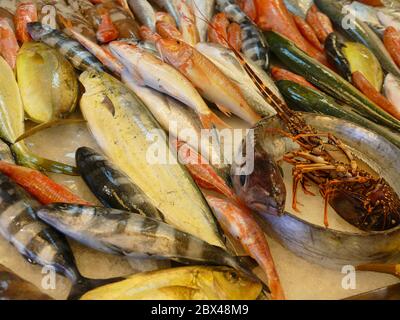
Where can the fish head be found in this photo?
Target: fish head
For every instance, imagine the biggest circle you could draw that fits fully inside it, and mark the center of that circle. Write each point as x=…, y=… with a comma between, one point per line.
x=66, y=217
x=231, y=284
x=126, y=53
x=175, y=52
x=38, y=30
x=263, y=190
x=92, y=80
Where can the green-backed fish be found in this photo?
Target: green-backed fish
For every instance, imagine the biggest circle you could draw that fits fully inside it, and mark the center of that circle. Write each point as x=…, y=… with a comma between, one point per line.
x=130, y=136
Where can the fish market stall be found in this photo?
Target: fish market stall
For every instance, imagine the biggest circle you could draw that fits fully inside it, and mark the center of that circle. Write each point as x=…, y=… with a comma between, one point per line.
x=184, y=150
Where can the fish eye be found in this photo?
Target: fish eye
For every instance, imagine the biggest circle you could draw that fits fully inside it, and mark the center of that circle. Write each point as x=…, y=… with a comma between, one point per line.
x=232, y=276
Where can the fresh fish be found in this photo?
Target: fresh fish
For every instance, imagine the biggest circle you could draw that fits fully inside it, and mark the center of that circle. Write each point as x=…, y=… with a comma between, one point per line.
x=33, y=239
x=127, y=134
x=229, y=64
x=391, y=88
x=37, y=242
x=183, y=283
x=358, y=31
x=8, y=42
x=103, y=55
x=262, y=190
x=299, y=7
x=74, y=11
x=12, y=287
x=12, y=124
x=133, y=235
x=112, y=187
x=238, y=221
x=203, y=11
x=128, y=27
x=39, y=185
x=253, y=43
x=144, y=12
x=154, y=73
x=26, y=12
x=169, y=6
x=71, y=49
x=47, y=82
x=178, y=120
x=187, y=22
x=378, y=18
x=205, y=75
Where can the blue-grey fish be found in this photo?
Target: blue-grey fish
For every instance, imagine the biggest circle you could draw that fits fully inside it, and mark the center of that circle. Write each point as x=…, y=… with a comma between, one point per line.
x=69, y=48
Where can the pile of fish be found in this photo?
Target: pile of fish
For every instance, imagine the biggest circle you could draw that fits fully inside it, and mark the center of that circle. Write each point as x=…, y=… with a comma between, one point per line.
x=155, y=82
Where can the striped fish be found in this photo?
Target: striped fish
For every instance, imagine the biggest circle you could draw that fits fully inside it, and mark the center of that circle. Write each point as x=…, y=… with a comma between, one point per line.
x=133, y=235
x=69, y=48
x=253, y=44
x=112, y=187
x=37, y=242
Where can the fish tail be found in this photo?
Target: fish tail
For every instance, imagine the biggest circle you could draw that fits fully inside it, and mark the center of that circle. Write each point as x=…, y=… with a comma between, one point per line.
x=83, y=285
x=30, y=160
x=383, y=268
x=211, y=120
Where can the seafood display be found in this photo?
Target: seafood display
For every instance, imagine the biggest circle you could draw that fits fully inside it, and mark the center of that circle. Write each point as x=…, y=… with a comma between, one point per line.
x=199, y=149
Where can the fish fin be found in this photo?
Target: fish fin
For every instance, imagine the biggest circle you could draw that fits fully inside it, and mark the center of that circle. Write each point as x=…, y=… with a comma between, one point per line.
x=224, y=109
x=47, y=125
x=27, y=159
x=210, y=120
x=109, y=105
x=84, y=285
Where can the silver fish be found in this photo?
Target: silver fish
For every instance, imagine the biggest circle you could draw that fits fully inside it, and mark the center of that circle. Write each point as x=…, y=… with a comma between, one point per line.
x=299, y=7
x=144, y=12
x=229, y=64
x=71, y=49
x=203, y=11
x=176, y=119
x=123, y=233
x=253, y=43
